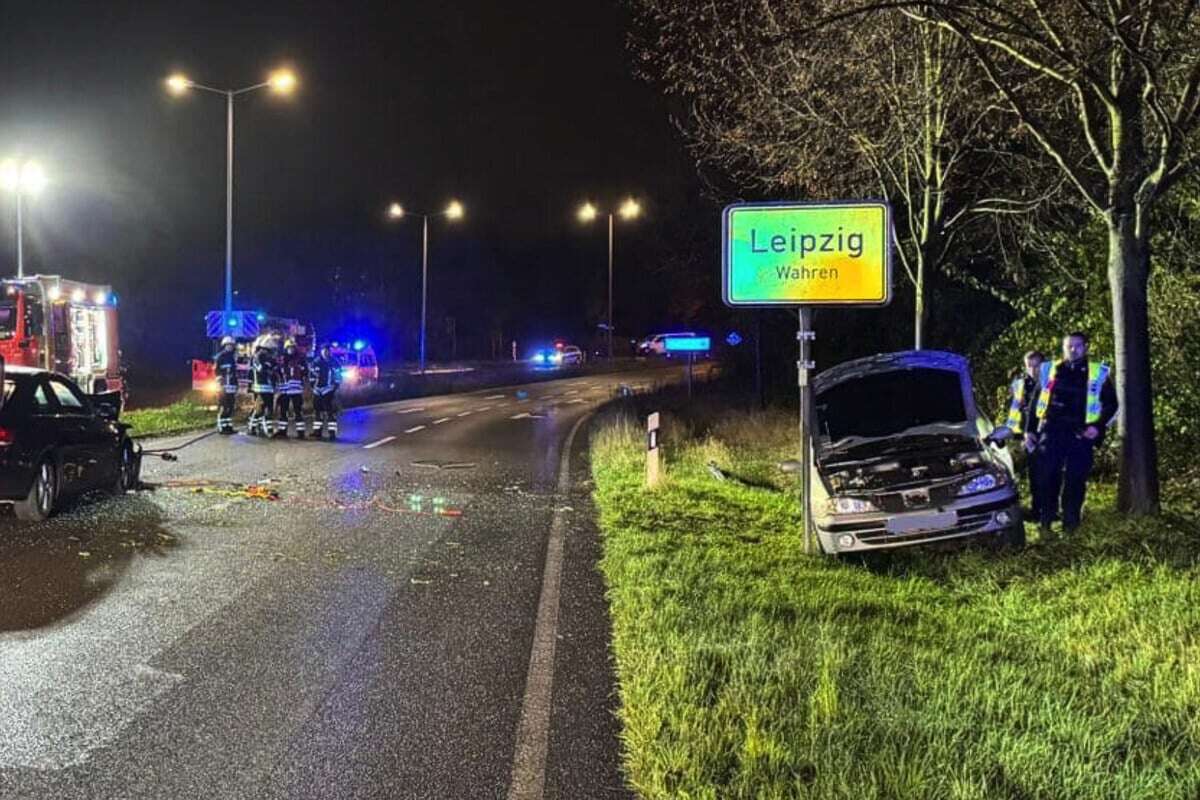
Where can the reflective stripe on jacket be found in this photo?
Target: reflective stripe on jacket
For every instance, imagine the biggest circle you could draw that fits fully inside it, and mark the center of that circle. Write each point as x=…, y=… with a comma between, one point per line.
x=1017, y=405
x=1097, y=375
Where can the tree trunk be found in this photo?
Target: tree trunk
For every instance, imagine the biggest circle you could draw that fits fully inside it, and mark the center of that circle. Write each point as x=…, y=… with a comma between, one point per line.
x=919, y=312
x=1128, y=276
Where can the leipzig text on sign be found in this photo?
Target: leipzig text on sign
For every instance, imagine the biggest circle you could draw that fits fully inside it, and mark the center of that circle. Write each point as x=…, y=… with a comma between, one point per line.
x=791, y=254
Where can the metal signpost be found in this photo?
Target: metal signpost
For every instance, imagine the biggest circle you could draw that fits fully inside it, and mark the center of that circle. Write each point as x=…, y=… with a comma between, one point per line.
x=690, y=345
x=800, y=255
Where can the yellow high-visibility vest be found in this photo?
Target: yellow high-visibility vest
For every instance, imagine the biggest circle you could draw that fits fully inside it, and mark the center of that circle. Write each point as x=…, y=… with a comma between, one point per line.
x=1013, y=423
x=1097, y=374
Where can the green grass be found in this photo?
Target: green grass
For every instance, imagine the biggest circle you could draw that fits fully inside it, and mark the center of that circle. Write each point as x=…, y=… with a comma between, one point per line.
x=180, y=417
x=748, y=670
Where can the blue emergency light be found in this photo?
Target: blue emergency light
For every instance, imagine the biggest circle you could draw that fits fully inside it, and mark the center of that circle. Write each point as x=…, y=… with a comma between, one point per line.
x=359, y=344
x=688, y=344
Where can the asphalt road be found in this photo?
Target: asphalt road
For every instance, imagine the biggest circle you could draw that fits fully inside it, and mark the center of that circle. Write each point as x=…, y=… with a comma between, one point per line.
x=417, y=616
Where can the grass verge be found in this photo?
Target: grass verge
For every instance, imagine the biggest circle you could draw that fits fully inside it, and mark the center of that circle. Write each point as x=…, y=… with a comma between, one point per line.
x=179, y=417
x=747, y=670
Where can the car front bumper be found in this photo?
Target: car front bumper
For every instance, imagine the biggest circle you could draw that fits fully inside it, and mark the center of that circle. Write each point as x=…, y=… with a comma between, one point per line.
x=988, y=513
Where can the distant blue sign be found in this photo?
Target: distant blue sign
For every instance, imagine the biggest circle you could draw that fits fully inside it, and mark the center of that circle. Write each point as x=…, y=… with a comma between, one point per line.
x=733, y=339
x=688, y=344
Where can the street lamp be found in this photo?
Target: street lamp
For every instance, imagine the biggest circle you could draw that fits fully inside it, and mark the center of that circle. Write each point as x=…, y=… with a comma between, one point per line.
x=587, y=213
x=281, y=81
x=22, y=178
x=454, y=210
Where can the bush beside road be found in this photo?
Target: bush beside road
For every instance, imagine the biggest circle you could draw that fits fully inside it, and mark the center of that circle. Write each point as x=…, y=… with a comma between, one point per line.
x=747, y=670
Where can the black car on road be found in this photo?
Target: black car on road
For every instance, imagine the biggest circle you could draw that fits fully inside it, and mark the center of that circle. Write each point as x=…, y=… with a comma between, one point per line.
x=57, y=441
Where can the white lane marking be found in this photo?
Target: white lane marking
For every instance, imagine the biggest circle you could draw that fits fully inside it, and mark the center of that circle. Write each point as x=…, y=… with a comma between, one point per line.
x=440, y=421
x=577, y=400
x=415, y=429
x=521, y=416
x=410, y=410
x=533, y=729
x=464, y=414
x=493, y=397
x=384, y=440
x=481, y=409
x=571, y=391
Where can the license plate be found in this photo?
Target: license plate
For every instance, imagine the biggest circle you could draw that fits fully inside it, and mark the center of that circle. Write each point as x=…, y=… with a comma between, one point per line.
x=914, y=523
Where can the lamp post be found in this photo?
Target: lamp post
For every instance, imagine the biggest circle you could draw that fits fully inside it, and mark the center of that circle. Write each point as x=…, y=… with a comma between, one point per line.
x=453, y=211
x=21, y=178
x=281, y=81
x=628, y=210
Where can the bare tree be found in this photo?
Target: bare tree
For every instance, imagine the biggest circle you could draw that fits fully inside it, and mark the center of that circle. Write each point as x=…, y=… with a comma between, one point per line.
x=889, y=107
x=1110, y=91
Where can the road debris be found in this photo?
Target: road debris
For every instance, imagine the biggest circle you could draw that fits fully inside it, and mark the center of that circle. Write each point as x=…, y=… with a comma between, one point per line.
x=436, y=464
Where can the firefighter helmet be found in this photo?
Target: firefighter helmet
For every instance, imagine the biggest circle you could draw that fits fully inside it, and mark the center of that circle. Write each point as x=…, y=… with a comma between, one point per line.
x=228, y=340
x=289, y=343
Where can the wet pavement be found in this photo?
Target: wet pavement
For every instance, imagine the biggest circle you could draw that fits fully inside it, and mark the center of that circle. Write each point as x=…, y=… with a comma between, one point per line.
x=367, y=634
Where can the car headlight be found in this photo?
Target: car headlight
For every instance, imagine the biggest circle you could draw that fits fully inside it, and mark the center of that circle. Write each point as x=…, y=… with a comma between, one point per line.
x=848, y=505
x=557, y=358
x=984, y=482
x=214, y=386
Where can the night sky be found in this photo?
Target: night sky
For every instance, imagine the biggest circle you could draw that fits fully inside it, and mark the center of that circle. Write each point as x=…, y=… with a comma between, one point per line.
x=520, y=110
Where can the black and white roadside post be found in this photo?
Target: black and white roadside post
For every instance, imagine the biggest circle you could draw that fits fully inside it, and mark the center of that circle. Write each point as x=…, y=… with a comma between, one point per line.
x=801, y=255
x=653, y=456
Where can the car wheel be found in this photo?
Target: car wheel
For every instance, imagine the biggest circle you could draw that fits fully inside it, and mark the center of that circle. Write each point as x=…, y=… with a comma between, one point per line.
x=128, y=469
x=39, y=503
x=1014, y=537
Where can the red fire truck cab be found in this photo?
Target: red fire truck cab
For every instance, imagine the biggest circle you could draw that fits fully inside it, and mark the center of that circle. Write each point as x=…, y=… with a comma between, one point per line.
x=66, y=326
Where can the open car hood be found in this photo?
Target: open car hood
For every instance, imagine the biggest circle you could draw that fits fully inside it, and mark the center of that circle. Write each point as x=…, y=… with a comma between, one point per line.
x=909, y=360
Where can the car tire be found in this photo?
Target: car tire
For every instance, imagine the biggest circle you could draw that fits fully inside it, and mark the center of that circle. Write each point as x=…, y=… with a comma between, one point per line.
x=129, y=468
x=39, y=503
x=1014, y=537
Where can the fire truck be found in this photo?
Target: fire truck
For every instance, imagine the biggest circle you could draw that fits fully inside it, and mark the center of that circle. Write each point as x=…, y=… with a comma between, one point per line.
x=66, y=326
x=246, y=328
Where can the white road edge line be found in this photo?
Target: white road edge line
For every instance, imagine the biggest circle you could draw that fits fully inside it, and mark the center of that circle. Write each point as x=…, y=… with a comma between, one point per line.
x=384, y=440
x=440, y=421
x=415, y=429
x=494, y=397
x=533, y=730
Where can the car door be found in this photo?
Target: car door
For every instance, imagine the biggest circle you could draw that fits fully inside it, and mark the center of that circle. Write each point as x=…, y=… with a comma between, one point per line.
x=85, y=435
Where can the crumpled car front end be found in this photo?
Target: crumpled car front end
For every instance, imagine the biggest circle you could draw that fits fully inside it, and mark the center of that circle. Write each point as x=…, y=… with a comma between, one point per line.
x=900, y=457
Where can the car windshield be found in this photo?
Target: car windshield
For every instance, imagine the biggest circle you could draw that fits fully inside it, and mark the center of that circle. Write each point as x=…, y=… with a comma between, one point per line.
x=887, y=403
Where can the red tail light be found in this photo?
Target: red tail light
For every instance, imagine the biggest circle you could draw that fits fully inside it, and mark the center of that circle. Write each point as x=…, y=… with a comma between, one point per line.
x=7, y=437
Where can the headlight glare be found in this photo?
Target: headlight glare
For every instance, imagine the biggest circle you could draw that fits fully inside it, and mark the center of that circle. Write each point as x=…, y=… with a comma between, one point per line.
x=984, y=482
x=848, y=505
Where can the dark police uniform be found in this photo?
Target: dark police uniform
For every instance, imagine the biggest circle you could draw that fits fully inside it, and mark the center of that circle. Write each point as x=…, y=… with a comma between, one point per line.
x=1073, y=396
x=227, y=379
x=262, y=383
x=326, y=376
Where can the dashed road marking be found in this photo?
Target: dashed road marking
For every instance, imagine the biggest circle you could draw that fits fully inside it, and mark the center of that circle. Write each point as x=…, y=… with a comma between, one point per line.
x=481, y=409
x=440, y=421
x=415, y=429
x=493, y=397
x=463, y=414
x=410, y=410
x=384, y=440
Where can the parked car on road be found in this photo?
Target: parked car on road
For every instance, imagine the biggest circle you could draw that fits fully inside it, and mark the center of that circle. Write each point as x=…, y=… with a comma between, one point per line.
x=901, y=457
x=57, y=441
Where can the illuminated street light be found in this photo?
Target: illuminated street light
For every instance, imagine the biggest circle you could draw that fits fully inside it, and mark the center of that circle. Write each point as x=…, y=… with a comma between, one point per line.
x=587, y=213
x=454, y=210
x=24, y=179
x=281, y=81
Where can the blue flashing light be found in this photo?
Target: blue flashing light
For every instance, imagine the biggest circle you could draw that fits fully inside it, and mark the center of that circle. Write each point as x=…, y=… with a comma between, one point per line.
x=688, y=344
x=539, y=358
x=261, y=317
x=359, y=344
x=733, y=339
x=232, y=322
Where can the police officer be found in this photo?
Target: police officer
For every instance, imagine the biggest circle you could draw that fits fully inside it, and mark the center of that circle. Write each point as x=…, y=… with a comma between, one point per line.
x=1022, y=397
x=1076, y=402
x=263, y=378
x=293, y=374
x=227, y=380
x=326, y=375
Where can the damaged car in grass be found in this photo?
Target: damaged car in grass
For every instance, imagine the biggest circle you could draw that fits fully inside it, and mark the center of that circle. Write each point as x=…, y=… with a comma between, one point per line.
x=902, y=456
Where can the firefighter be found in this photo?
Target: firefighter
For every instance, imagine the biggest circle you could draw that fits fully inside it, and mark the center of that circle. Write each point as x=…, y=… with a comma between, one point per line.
x=293, y=374
x=326, y=375
x=227, y=380
x=1076, y=402
x=1022, y=397
x=263, y=377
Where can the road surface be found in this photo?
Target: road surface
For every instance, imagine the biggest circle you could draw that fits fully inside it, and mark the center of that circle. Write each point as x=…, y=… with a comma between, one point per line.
x=417, y=616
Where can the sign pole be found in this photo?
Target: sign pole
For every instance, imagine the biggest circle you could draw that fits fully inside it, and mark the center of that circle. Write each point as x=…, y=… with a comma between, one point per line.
x=805, y=336
x=689, y=375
